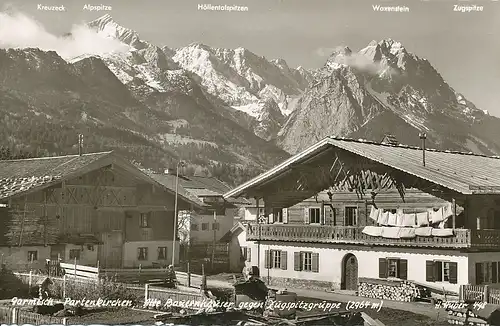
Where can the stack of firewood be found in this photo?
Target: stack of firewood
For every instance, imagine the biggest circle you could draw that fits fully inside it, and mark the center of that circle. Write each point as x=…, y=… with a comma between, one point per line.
x=459, y=317
x=404, y=291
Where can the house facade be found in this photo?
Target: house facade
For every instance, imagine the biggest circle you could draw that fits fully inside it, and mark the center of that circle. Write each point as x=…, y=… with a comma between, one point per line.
x=92, y=209
x=344, y=211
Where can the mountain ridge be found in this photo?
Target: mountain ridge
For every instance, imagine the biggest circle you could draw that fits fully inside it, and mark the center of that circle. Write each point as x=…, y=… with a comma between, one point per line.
x=229, y=112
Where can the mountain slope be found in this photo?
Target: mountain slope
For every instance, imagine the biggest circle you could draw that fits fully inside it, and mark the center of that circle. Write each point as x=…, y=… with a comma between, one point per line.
x=46, y=101
x=385, y=89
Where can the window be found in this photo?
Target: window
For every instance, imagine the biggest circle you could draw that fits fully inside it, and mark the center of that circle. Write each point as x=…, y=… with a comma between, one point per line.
x=487, y=272
x=393, y=268
x=351, y=216
x=74, y=254
x=215, y=226
x=194, y=227
x=90, y=247
x=144, y=221
x=306, y=261
x=314, y=215
x=162, y=253
x=32, y=255
x=276, y=259
x=441, y=271
x=142, y=253
x=278, y=215
x=204, y=226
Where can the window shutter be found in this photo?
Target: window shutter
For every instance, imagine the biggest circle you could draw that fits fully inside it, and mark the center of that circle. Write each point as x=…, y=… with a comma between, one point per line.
x=429, y=271
x=285, y=215
x=382, y=268
x=453, y=273
x=284, y=260
x=296, y=261
x=322, y=214
x=438, y=271
x=138, y=253
x=306, y=215
x=403, y=269
x=267, y=261
x=249, y=254
x=315, y=262
x=479, y=274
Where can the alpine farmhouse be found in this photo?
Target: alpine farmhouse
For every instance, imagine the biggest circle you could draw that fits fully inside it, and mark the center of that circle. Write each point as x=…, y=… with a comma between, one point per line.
x=346, y=211
x=95, y=209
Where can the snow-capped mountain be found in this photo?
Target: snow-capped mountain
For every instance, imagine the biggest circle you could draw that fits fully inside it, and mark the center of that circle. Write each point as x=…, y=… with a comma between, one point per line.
x=228, y=110
x=384, y=89
x=239, y=79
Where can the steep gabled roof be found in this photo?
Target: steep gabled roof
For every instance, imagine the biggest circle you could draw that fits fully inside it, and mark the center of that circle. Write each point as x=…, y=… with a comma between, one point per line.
x=465, y=173
x=26, y=175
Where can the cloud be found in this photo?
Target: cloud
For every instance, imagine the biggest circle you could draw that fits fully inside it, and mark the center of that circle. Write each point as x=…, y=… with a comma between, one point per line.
x=20, y=31
x=356, y=60
x=324, y=52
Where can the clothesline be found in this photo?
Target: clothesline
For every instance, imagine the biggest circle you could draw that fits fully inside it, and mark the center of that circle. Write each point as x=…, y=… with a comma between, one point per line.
x=426, y=218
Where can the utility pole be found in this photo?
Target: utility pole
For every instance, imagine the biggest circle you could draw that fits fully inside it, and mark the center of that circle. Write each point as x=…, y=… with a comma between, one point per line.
x=174, y=235
x=215, y=235
x=80, y=144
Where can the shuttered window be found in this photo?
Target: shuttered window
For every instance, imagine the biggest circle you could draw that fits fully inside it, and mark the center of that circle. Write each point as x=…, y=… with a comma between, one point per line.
x=350, y=216
x=306, y=261
x=393, y=267
x=162, y=253
x=488, y=272
x=278, y=215
x=315, y=215
x=276, y=259
x=142, y=253
x=441, y=271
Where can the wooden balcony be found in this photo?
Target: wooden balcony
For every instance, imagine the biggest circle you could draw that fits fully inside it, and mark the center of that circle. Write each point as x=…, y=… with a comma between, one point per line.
x=462, y=238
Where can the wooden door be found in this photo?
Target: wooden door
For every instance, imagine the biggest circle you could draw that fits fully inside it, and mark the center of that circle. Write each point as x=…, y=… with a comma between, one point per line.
x=110, y=255
x=350, y=273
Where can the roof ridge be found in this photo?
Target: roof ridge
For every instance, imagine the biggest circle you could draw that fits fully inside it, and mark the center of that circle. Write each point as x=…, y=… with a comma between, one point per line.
x=54, y=157
x=364, y=141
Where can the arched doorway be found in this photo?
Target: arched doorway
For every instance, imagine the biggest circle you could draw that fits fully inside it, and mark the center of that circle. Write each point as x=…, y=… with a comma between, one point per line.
x=349, y=273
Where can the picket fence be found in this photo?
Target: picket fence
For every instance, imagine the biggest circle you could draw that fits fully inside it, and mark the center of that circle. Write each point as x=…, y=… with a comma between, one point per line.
x=17, y=316
x=480, y=293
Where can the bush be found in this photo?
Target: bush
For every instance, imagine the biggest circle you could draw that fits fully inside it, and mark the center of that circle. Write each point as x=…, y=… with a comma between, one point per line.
x=105, y=289
x=11, y=286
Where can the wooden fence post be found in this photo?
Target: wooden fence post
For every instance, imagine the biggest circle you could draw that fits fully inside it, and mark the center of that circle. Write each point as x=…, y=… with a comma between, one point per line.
x=64, y=286
x=486, y=294
x=65, y=321
x=14, y=316
x=146, y=292
x=203, y=278
x=30, y=281
x=75, y=267
x=188, y=275
x=461, y=293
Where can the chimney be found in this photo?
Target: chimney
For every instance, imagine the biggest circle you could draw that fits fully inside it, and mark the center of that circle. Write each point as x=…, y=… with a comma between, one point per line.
x=80, y=144
x=390, y=139
x=423, y=137
x=166, y=171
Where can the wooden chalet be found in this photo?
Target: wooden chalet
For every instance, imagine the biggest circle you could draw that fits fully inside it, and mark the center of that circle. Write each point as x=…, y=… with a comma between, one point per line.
x=93, y=208
x=328, y=210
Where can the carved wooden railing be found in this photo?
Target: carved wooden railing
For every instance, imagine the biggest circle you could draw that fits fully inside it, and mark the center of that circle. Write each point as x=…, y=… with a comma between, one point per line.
x=462, y=238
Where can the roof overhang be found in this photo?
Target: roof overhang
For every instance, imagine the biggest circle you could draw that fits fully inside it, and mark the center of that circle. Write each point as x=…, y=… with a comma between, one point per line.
x=249, y=188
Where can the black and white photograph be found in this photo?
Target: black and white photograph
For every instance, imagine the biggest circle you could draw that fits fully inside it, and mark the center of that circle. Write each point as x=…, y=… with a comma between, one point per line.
x=263, y=162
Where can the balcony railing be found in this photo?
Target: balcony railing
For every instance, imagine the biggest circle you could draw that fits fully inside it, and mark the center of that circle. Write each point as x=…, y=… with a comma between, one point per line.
x=462, y=238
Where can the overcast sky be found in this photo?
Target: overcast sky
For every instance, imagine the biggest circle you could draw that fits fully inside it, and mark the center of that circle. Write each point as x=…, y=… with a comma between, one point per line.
x=463, y=47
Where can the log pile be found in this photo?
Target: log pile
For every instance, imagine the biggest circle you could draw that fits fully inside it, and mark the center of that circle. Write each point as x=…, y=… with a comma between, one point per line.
x=402, y=291
x=474, y=316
